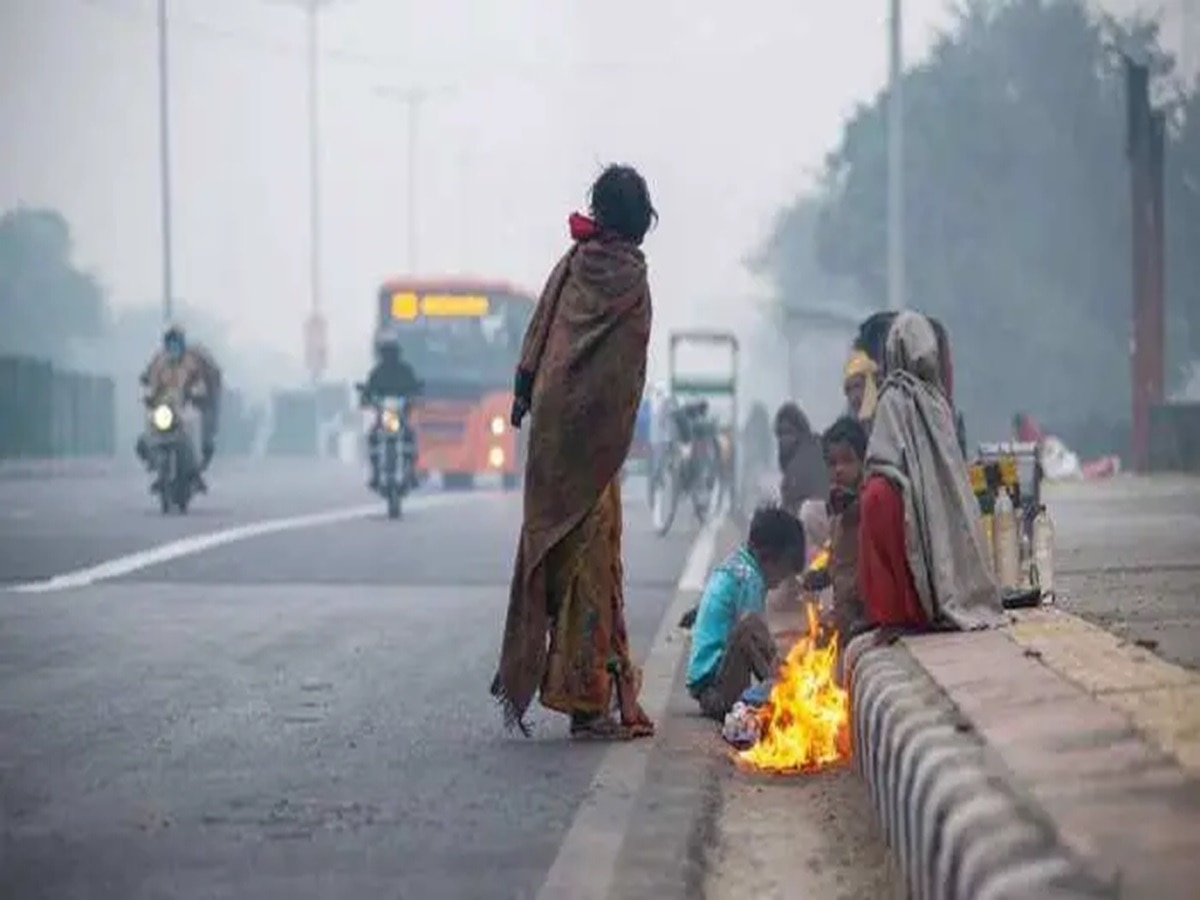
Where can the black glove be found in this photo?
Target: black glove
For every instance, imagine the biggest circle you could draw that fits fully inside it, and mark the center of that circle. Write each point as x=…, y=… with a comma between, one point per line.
x=520, y=409
x=522, y=394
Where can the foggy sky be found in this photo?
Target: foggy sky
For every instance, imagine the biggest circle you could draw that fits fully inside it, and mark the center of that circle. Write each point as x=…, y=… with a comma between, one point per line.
x=727, y=108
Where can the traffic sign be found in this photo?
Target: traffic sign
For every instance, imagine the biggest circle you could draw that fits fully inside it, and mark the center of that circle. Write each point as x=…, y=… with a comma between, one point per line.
x=316, y=345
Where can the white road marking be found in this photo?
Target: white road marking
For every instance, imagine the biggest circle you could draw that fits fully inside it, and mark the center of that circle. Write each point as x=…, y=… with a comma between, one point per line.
x=200, y=543
x=586, y=863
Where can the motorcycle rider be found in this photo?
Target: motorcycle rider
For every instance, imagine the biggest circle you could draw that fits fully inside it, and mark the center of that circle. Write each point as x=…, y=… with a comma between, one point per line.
x=391, y=376
x=193, y=374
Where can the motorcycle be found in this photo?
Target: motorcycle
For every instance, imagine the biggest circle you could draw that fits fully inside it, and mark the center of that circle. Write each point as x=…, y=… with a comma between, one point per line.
x=171, y=450
x=396, y=445
x=691, y=465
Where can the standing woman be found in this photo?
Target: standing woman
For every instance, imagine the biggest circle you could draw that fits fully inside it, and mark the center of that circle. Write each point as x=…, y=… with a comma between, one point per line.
x=580, y=376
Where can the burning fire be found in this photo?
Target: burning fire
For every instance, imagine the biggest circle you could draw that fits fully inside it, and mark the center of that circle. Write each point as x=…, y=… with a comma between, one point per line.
x=804, y=726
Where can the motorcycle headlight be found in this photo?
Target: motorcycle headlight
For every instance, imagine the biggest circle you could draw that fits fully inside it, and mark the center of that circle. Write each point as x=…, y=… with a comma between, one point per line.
x=391, y=421
x=162, y=417
x=498, y=425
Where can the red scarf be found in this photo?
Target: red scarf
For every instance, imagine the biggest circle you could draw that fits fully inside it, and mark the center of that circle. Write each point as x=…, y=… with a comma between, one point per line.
x=582, y=228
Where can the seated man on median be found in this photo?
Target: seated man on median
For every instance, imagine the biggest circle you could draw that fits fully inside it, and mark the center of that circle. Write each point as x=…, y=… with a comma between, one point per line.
x=922, y=560
x=731, y=643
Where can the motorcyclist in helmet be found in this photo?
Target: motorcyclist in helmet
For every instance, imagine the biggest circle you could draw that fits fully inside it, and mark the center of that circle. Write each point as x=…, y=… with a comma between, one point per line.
x=178, y=368
x=391, y=376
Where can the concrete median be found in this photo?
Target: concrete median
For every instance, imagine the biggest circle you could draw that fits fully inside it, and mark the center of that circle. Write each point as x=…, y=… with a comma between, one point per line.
x=999, y=771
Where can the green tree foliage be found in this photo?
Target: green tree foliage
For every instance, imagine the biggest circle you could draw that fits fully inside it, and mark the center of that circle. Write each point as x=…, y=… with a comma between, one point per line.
x=1017, y=210
x=45, y=301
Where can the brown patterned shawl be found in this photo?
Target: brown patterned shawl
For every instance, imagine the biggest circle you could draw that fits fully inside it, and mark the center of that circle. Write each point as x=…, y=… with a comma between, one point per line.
x=586, y=348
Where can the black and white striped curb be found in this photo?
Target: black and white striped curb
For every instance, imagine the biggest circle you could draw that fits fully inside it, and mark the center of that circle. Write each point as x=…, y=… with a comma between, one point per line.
x=953, y=817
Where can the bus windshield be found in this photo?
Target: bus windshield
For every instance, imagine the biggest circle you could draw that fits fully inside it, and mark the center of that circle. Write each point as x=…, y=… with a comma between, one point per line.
x=456, y=337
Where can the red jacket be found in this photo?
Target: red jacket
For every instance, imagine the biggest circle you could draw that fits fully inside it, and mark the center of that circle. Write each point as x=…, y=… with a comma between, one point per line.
x=885, y=581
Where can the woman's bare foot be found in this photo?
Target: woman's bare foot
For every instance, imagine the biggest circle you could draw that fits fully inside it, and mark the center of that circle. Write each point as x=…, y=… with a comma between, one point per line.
x=599, y=728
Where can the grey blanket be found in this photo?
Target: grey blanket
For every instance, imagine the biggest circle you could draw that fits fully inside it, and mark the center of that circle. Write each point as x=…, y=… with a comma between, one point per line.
x=914, y=445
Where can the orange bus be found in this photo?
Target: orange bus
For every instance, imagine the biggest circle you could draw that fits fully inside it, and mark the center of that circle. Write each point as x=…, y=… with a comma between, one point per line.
x=463, y=338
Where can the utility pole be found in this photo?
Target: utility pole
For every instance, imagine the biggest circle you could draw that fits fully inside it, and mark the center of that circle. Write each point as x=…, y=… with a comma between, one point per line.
x=1146, y=150
x=413, y=99
x=895, y=130
x=1185, y=40
x=314, y=158
x=164, y=163
x=315, y=329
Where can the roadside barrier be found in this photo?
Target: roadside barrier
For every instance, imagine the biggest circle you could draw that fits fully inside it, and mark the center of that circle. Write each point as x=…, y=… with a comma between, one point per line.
x=947, y=811
x=1175, y=437
x=51, y=413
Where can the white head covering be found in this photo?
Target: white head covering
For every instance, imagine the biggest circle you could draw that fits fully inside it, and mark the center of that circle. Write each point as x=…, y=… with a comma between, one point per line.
x=914, y=445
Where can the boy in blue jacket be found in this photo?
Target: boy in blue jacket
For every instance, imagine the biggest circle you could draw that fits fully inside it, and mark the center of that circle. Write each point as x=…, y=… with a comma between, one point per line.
x=731, y=643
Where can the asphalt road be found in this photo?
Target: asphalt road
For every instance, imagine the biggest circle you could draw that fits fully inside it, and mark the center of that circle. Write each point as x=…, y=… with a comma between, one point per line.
x=294, y=715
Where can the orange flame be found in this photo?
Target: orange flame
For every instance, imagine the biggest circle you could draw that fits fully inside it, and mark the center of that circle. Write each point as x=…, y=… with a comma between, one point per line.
x=805, y=724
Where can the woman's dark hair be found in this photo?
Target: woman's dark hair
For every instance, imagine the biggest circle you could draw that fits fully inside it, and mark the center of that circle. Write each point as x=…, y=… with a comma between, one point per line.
x=776, y=534
x=791, y=414
x=846, y=430
x=873, y=333
x=620, y=203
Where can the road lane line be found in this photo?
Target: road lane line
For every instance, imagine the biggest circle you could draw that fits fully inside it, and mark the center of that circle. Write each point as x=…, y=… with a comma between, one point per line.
x=585, y=866
x=200, y=543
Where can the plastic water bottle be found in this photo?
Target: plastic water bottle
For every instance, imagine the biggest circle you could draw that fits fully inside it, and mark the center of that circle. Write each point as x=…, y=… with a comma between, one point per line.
x=1007, y=542
x=1043, y=553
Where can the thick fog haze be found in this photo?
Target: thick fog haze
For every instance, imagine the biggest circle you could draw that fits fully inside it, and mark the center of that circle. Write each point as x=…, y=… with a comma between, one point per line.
x=728, y=109
x=727, y=112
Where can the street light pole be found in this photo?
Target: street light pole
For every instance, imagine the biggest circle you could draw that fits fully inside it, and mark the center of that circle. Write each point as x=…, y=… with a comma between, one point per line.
x=164, y=158
x=413, y=99
x=895, y=210
x=314, y=160
x=414, y=117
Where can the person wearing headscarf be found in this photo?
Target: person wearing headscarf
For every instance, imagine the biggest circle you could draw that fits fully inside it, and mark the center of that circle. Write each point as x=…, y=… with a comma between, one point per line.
x=858, y=382
x=923, y=561
x=804, y=486
x=580, y=377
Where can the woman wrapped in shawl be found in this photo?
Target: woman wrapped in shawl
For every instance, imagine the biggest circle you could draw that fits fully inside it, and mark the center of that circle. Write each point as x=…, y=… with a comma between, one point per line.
x=580, y=376
x=922, y=558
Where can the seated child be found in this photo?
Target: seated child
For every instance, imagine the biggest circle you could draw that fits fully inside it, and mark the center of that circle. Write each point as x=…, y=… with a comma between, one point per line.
x=845, y=445
x=731, y=643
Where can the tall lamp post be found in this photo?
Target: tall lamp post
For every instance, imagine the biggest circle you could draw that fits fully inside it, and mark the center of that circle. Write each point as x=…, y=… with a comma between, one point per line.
x=164, y=163
x=315, y=329
x=412, y=99
x=895, y=130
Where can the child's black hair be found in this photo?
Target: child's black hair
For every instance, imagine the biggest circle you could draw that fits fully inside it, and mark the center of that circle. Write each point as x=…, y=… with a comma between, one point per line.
x=620, y=203
x=776, y=534
x=846, y=430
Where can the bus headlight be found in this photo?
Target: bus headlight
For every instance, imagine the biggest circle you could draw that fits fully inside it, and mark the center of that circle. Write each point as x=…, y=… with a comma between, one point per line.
x=498, y=425
x=391, y=421
x=496, y=458
x=162, y=417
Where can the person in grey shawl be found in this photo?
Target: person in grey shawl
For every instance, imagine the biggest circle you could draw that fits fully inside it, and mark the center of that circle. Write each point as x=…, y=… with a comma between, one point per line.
x=923, y=558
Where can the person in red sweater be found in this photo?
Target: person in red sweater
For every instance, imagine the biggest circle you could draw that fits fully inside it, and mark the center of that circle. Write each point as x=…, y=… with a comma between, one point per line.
x=922, y=557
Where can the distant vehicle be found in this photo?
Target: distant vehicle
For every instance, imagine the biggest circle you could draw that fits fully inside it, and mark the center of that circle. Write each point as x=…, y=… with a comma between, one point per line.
x=699, y=461
x=690, y=467
x=396, y=448
x=462, y=337
x=172, y=426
